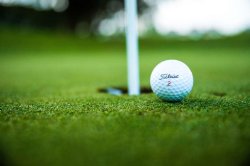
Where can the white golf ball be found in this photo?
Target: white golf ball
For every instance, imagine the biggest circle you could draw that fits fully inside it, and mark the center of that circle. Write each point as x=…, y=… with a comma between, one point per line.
x=171, y=80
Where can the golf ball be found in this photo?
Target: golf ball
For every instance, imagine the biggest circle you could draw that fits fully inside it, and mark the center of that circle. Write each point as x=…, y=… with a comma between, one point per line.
x=171, y=80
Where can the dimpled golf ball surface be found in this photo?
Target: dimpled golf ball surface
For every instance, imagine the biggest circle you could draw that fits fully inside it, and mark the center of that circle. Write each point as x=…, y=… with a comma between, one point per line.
x=171, y=80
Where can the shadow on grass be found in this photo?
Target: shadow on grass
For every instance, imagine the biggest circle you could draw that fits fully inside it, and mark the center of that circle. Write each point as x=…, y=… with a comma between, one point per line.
x=206, y=104
x=3, y=157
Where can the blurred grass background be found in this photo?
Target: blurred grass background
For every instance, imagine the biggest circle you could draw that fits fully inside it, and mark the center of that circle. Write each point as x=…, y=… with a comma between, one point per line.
x=51, y=112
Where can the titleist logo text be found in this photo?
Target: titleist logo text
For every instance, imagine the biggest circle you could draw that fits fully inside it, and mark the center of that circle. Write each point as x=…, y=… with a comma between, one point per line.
x=166, y=76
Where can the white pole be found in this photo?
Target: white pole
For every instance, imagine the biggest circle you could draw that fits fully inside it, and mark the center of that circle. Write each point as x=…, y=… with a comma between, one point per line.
x=132, y=47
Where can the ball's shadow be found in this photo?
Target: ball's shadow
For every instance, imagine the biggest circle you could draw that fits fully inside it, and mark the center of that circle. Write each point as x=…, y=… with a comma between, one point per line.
x=198, y=103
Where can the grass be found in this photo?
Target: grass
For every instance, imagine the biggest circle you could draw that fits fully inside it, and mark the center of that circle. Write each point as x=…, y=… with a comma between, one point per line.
x=51, y=112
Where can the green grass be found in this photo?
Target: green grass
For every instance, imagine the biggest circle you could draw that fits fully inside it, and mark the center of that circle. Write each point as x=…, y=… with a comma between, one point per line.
x=51, y=112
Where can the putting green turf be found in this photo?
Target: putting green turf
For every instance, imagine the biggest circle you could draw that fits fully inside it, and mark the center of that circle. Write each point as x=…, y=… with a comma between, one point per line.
x=51, y=112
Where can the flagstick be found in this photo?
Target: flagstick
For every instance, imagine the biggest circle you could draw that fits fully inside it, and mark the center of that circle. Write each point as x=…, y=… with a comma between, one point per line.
x=132, y=47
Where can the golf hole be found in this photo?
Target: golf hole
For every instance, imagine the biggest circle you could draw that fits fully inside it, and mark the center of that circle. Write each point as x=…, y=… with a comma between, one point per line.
x=122, y=90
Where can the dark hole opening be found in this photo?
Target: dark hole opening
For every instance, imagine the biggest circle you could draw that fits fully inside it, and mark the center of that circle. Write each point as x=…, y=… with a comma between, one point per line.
x=122, y=90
